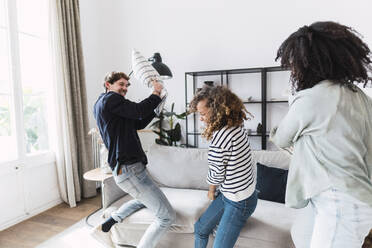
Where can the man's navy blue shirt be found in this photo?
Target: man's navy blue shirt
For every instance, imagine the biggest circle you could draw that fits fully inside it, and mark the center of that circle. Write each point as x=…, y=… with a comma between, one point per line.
x=118, y=120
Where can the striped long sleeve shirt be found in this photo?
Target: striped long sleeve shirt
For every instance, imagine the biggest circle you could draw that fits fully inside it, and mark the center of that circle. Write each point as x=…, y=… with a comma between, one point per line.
x=231, y=164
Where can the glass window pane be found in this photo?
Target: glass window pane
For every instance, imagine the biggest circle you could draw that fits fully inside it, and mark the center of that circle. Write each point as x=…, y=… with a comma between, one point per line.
x=8, y=145
x=33, y=17
x=35, y=123
x=4, y=62
x=3, y=15
x=35, y=63
x=35, y=78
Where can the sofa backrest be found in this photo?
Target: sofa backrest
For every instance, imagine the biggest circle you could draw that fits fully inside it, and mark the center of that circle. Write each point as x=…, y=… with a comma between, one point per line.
x=178, y=167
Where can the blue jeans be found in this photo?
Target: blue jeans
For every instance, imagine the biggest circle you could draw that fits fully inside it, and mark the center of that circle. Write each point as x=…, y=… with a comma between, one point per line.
x=136, y=181
x=230, y=217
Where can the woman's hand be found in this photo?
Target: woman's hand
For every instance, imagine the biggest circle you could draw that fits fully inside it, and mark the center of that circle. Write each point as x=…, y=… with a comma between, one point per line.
x=212, y=192
x=211, y=195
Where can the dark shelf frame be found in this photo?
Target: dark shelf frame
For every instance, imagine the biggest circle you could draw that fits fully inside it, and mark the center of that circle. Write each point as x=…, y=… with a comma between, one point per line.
x=224, y=74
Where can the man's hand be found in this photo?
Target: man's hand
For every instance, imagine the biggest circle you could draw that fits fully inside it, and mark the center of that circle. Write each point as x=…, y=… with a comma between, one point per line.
x=158, y=87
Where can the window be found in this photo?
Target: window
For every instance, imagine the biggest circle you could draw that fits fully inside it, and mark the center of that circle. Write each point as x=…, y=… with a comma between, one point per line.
x=25, y=78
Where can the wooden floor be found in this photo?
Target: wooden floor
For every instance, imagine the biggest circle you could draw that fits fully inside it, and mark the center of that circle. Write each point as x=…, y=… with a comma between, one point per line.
x=39, y=228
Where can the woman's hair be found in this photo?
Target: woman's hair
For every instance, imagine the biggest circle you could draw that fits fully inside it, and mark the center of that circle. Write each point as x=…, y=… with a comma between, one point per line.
x=226, y=109
x=325, y=50
x=114, y=76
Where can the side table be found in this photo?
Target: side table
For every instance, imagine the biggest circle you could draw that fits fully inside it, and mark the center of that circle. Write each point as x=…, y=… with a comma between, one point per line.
x=99, y=176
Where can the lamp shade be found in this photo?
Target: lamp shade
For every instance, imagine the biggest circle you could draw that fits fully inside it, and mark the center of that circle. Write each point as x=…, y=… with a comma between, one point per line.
x=163, y=69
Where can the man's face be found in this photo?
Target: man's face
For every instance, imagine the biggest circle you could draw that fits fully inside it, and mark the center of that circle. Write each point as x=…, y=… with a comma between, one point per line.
x=120, y=86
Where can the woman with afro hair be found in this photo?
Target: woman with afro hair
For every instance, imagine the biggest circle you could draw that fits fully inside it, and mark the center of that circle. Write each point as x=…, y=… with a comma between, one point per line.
x=329, y=124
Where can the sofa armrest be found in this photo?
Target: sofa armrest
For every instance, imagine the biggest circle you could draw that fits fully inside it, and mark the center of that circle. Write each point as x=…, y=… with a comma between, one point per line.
x=110, y=192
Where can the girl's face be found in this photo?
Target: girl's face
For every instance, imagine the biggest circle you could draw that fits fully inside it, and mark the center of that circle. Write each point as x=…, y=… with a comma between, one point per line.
x=204, y=111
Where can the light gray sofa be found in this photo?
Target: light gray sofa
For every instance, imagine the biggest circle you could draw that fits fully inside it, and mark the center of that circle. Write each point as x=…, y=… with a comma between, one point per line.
x=181, y=174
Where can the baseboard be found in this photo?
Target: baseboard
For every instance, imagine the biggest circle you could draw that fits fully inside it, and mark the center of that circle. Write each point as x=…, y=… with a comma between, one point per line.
x=31, y=214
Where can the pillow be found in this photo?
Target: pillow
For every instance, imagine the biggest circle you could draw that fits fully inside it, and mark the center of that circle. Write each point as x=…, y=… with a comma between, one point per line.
x=145, y=72
x=271, y=183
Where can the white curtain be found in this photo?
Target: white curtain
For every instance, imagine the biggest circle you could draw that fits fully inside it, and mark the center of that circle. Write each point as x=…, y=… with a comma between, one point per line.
x=62, y=143
x=71, y=144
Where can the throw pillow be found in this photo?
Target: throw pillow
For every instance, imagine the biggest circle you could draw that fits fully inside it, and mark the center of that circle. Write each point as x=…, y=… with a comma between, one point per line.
x=145, y=72
x=271, y=183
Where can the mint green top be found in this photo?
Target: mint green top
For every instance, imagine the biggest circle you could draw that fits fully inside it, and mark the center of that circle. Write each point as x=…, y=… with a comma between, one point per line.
x=330, y=128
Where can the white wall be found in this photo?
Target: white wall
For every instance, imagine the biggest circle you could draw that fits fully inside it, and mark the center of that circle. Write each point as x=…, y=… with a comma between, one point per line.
x=199, y=35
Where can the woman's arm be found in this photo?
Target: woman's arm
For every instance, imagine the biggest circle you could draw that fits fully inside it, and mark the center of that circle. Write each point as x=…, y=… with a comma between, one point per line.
x=299, y=116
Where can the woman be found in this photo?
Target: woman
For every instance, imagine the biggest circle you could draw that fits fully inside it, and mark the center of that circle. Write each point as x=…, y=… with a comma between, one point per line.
x=329, y=123
x=230, y=167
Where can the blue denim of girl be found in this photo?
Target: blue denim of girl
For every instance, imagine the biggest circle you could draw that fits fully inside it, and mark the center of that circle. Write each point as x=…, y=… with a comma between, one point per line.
x=230, y=217
x=136, y=181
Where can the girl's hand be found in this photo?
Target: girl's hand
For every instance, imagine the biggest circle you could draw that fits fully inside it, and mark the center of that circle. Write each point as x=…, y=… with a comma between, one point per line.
x=212, y=192
x=211, y=195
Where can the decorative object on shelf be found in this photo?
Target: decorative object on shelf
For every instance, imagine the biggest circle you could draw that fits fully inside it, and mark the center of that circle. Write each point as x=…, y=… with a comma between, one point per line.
x=259, y=128
x=209, y=83
x=146, y=72
x=249, y=99
x=167, y=129
x=249, y=131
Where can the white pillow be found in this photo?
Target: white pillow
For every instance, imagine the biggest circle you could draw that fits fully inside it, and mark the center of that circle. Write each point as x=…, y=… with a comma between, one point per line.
x=146, y=73
x=143, y=70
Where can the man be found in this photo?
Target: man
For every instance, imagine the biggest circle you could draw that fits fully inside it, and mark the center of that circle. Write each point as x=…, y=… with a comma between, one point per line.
x=118, y=120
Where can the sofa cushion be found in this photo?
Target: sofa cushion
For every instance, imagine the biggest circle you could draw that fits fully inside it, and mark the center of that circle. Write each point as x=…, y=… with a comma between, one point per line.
x=271, y=183
x=178, y=167
x=270, y=223
x=187, y=168
x=189, y=205
x=276, y=159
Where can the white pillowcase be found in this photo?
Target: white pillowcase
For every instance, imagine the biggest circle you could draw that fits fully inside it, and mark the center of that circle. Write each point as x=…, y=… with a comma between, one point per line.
x=146, y=73
x=143, y=70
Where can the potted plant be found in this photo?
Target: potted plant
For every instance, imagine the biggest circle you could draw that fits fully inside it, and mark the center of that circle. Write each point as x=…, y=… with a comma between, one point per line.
x=166, y=127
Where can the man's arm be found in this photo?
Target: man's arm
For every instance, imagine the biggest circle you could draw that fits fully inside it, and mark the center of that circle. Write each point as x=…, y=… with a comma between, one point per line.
x=120, y=106
x=141, y=124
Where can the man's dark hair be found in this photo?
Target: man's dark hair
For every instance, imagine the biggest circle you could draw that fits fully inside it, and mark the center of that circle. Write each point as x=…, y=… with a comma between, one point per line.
x=325, y=50
x=114, y=76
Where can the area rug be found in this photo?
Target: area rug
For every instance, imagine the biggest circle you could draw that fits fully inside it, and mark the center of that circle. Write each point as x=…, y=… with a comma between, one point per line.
x=76, y=236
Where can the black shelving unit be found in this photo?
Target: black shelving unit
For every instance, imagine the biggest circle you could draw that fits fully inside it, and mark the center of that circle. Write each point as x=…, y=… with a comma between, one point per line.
x=224, y=78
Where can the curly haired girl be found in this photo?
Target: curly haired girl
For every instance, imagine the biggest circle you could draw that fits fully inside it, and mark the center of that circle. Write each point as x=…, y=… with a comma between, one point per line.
x=230, y=167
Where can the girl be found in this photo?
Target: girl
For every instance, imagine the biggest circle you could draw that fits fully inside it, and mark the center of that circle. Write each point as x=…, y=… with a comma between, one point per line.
x=330, y=125
x=230, y=167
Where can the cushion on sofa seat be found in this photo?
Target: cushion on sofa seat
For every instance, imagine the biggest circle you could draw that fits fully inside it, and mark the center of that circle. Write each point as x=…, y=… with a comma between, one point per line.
x=189, y=205
x=276, y=159
x=270, y=223
x=178, y=167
